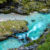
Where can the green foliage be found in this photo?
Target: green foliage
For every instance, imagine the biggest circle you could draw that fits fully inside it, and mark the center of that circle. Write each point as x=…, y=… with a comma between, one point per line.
x=34, y=41
x=45, y=46
x=1, y=1
x=6, y=11
x=48, y=37
x=29, y=44
x=48, y=2
x=15, y=1
x=31, y=5
x=39, y=40
x=7, y=26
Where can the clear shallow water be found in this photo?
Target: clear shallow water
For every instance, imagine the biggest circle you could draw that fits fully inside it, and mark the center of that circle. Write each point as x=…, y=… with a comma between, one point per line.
x=36, y=28
x=10, y=43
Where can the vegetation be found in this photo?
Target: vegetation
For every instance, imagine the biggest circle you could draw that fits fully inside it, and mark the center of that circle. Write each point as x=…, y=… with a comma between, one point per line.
x=30, y=6
x=29, y=44
x=6, y=11
x=7, y=27
x=46, y=45
x=13, y=49
x=2, y=1
x=27, y=6
x=43, y=42
x=48, y=3
x=35, y=41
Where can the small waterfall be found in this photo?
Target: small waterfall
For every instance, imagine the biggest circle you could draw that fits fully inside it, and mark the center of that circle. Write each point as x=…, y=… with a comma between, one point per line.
x=39, y=26
x=29, y=32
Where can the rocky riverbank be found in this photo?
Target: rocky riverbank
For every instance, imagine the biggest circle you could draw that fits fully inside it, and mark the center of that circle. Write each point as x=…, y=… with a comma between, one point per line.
x=8, y=28
x=24, y=7
x=35, y=45
x=44, y=11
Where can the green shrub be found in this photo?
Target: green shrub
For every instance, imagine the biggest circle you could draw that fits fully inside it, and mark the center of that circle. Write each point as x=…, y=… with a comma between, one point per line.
x=45, y=46
x=7, y=26
x=29, y=44
x=48, y=37
x=1, y=1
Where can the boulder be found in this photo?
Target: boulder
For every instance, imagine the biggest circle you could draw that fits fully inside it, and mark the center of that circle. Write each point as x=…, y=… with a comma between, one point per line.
x=13, y=49
x=9, y=28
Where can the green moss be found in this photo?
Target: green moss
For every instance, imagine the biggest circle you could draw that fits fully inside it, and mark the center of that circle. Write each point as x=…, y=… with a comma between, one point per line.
x=48, y=37
x=35, y=41
x=13, y=49
x=48, y=3
x=39, y=40
x=29, y=44
x=1, y=1
x=28, y=6
x=45, y=46
x=6, y=11
x=7, y=26
x=15, y=1
x=33, y=6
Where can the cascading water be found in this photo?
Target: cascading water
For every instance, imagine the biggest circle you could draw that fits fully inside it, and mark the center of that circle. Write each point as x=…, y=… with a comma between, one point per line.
x=40, y=27
x=42, y=20
x=36, y=28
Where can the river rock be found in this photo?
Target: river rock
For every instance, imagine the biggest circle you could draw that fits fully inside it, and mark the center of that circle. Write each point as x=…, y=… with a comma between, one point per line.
x=20, y=10
x=9, y=28
x=33, y=20
x=2, y=38
x=45, y=11
x=13, y=49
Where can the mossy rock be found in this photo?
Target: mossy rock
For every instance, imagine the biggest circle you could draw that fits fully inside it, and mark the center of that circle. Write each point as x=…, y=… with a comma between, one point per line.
x=13, y=49
x=7, y=28
x=45, y=46
x=29, y=44
x=2, y=1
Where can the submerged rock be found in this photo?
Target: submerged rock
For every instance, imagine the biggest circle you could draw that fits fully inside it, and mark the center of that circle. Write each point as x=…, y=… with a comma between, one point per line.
x=33, y=20
x=13, y=49
x=46, y=30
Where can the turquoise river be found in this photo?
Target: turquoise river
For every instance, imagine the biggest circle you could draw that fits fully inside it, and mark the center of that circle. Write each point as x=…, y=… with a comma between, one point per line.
x=37, y=23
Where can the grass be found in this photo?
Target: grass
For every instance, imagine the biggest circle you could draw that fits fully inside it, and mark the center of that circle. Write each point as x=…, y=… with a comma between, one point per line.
x=30, y=6
x=46, y=44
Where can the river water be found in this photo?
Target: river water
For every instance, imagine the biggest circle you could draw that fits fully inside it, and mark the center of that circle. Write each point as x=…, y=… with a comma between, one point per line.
x=37, y=23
